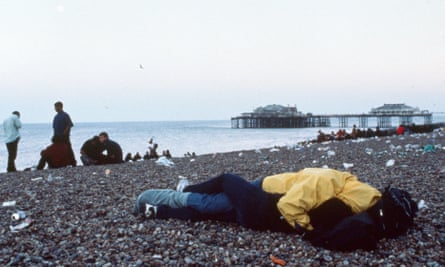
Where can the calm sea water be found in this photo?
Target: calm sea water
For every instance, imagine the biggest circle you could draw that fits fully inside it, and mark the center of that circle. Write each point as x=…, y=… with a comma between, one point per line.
x=201, y=137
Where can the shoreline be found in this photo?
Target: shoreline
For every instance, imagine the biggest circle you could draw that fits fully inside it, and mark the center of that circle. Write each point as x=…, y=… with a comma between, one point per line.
x=81, y=216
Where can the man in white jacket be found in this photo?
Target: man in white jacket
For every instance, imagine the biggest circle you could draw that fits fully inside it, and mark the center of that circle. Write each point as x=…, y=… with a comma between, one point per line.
x=11, y=127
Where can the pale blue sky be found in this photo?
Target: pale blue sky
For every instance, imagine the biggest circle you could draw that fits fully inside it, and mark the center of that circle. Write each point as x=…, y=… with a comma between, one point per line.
x=215, y=59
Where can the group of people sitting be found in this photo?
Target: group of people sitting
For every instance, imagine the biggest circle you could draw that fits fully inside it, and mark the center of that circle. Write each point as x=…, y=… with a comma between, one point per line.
x=151, y=153
x=355, y=133
x=331, y=208
x=98, y=150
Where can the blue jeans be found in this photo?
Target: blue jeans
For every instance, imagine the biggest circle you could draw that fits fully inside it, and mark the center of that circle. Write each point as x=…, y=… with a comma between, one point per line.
x=204, y=203
x=227, y=197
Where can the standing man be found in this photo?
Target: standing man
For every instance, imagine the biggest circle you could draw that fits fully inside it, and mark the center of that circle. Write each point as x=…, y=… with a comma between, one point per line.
x=62, y=127
x=11, y=127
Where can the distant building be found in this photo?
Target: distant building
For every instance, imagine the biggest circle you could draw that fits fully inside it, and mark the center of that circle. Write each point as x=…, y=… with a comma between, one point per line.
x=278, y=116
x=396, y=109
x=274, y=110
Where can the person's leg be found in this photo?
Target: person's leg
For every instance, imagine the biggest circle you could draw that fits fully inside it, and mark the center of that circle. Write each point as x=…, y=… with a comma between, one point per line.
x=165, y=212
x=247, y=198
x=70, y=151
x=204, y=203
x=12, y=155
x=211, y=186
x=214, y=185
x=42, y=163
x=209, y=203
x=250, y=202
x=158, y=197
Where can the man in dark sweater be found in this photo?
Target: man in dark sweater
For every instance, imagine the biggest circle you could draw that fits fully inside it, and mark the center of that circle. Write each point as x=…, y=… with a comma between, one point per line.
x=113, y=149
x=91, y=152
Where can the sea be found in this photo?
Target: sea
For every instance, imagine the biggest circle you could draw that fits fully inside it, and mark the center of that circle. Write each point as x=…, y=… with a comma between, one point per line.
x=179, y=137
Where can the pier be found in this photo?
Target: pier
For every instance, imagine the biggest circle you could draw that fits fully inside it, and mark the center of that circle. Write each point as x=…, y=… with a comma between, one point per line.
x=276, y=116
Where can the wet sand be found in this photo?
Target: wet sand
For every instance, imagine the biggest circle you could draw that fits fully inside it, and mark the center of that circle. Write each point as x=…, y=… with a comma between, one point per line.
x=82, y=217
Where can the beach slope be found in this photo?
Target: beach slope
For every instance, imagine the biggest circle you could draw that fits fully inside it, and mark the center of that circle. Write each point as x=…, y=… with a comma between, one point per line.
x=82, y=216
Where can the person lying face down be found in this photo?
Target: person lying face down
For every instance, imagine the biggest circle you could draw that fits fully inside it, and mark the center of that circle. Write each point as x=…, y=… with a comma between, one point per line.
x=312, y=198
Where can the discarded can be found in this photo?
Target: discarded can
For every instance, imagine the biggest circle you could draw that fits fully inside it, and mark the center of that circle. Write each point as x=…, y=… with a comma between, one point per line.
x=9, y=203
x=390, y=163
x=27, y=222
x=18, y=215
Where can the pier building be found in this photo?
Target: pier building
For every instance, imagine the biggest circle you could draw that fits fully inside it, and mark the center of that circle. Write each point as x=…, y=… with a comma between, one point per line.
x=278, y=116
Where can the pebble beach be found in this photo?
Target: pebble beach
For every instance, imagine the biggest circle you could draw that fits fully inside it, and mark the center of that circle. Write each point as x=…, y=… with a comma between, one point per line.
x=82, y=216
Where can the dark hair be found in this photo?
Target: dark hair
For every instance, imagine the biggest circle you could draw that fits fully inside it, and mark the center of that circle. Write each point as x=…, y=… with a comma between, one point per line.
x=104, y=134
x=397, y=211
x=58, y=104
x=16, y=113
x=95, y=138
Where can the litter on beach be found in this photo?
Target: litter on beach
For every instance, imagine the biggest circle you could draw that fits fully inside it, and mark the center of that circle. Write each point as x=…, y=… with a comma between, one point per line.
x=369, y=151
x=331, y=153
x=9, y=203
x=390, y=163
x=18, y=215
x=429, y=148
x=52, y=178
x=15, y=228
x=421, y=205
x=165, y=162
x=348, y=165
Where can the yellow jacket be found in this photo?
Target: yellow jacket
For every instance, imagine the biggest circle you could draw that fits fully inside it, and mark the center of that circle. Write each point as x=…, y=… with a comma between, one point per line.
x=308, y=188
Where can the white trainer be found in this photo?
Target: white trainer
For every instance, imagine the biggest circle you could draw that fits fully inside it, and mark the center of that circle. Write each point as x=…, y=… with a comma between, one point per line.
x=183, y=183
x=150, y=211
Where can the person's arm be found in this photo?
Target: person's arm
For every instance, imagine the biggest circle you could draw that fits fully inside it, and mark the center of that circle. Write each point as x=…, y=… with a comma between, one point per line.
x=17, y=123
x=69, y=125
x=303, y=197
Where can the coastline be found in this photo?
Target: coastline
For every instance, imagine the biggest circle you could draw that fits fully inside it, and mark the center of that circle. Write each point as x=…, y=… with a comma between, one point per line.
x=81, y=216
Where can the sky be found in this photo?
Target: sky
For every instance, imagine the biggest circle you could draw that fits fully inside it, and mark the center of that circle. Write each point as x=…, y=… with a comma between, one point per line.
x=146, y=60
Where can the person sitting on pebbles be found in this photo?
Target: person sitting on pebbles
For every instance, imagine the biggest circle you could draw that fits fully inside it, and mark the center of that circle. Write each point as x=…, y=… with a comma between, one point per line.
x=113, y=149
x=332, y=209
x=91, y=152
x=57, y=155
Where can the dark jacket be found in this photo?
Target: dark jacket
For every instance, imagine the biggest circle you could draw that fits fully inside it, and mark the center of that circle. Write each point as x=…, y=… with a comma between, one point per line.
x=114, y=152
x=93, y=149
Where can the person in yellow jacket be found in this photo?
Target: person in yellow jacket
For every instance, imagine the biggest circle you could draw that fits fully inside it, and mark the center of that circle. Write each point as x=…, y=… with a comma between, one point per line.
x=281, y=202
x=307, y=189
x=331, y=208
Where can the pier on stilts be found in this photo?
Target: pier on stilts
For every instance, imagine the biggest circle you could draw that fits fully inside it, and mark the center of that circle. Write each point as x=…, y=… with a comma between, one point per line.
x=276, y=116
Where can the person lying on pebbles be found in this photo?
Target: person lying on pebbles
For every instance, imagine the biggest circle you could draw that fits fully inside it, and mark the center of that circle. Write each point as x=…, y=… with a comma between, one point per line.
x=331, y=208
